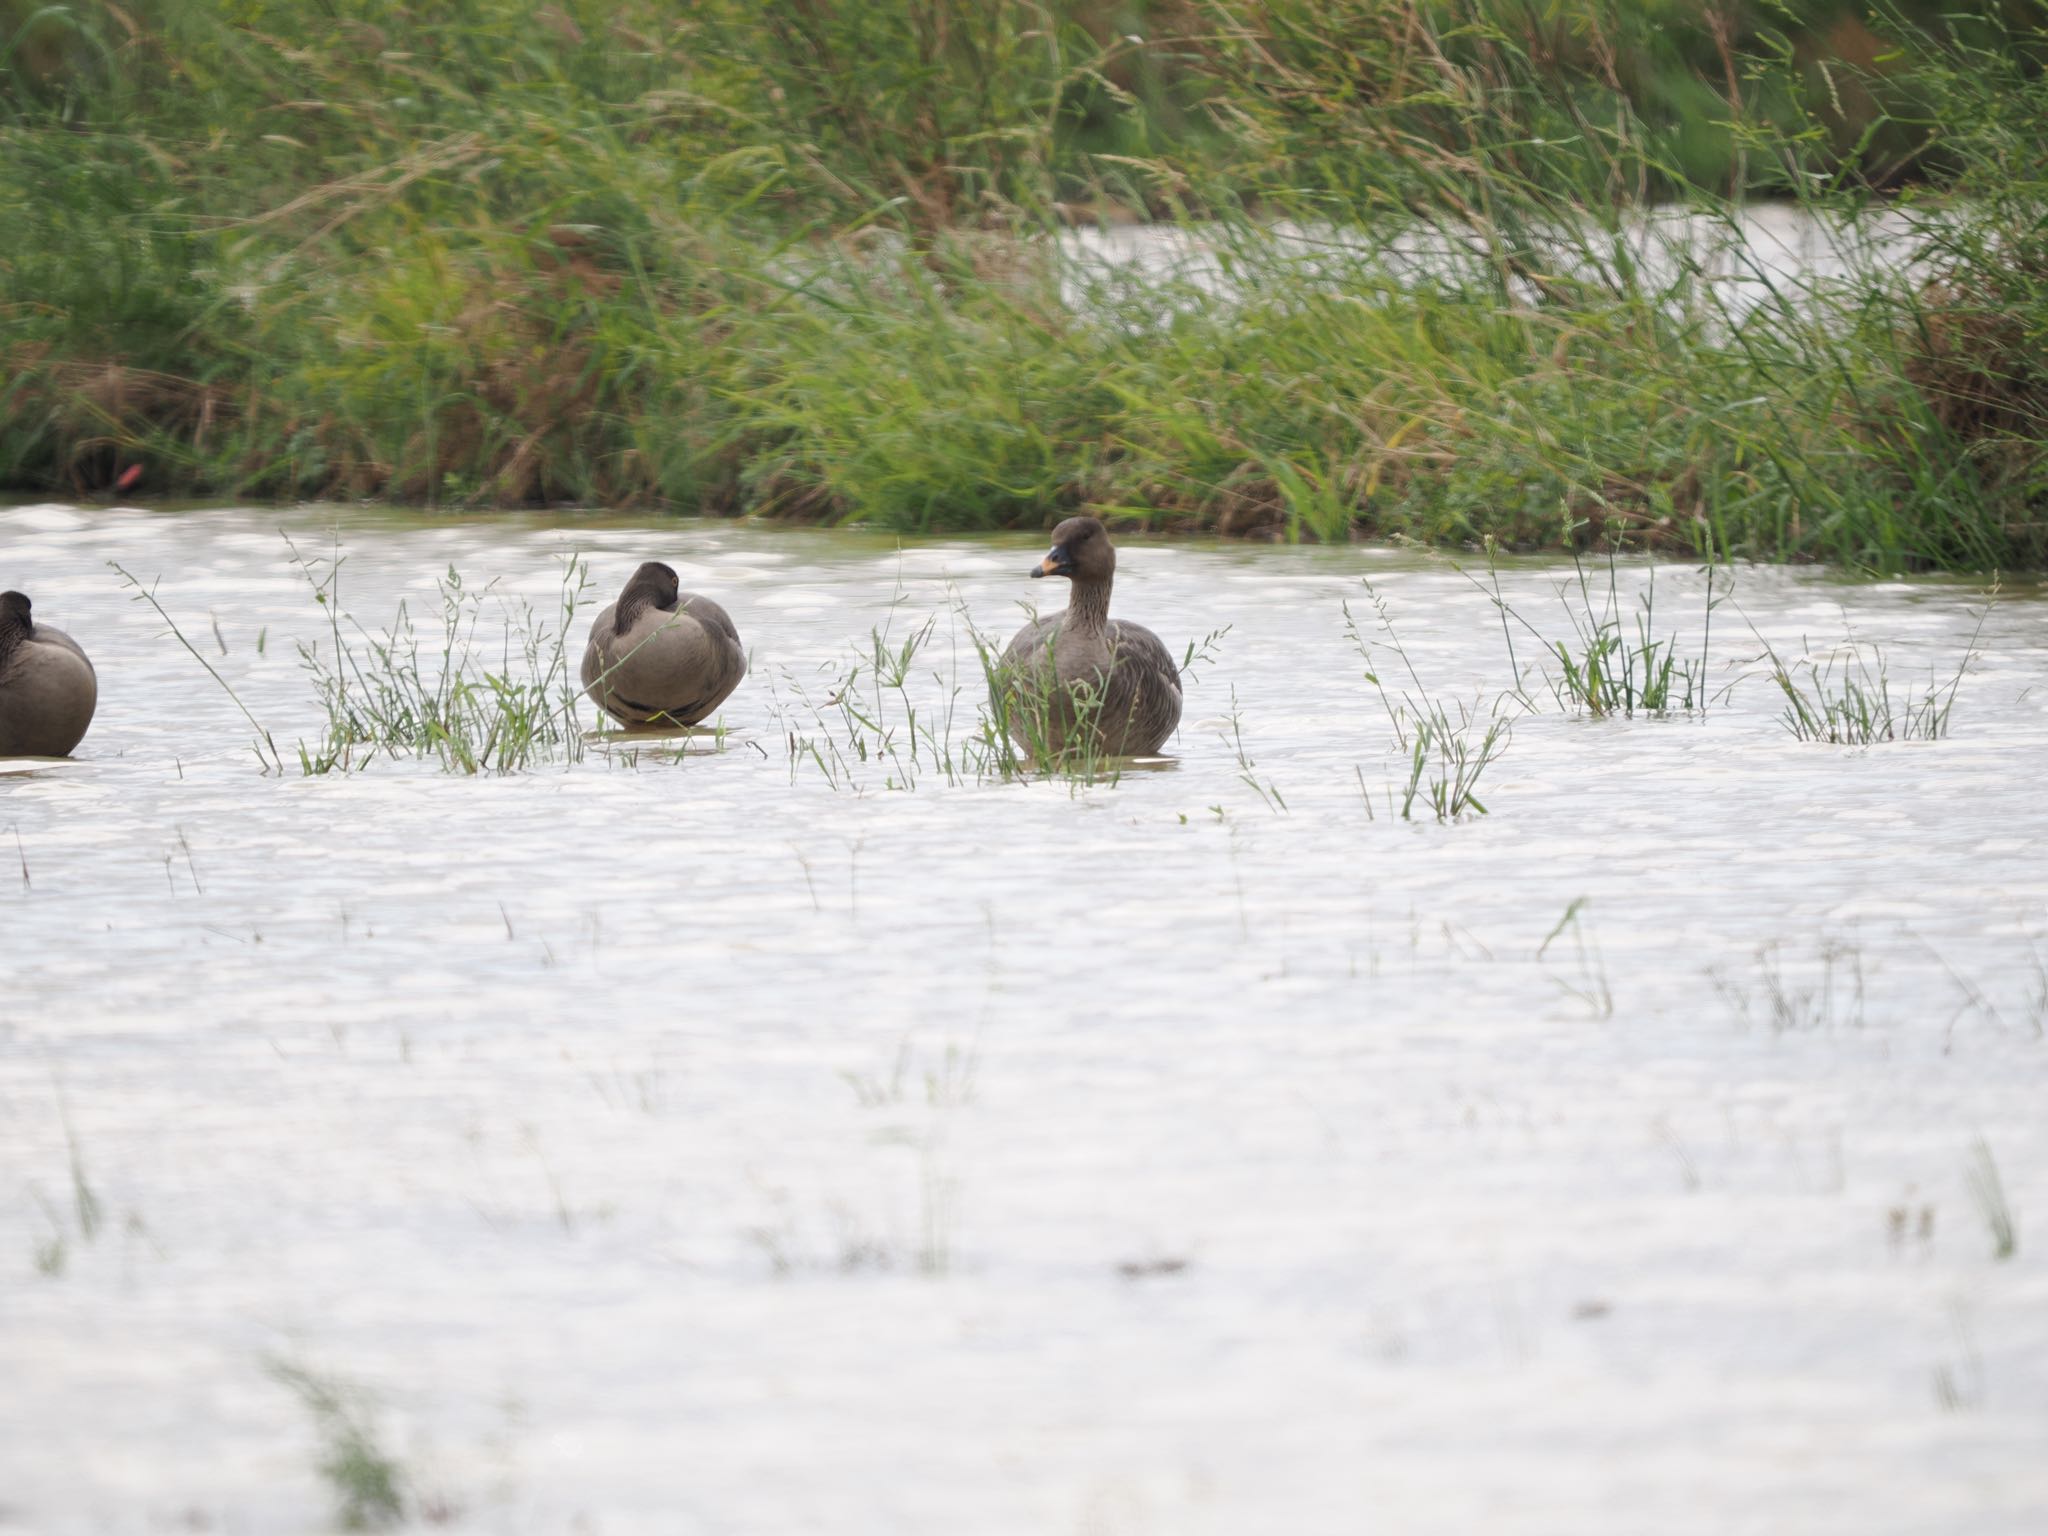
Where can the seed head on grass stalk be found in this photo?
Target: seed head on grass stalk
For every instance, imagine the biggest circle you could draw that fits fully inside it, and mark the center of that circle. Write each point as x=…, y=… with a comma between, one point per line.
x=1847, y=699
x=391, y=694
x=1447, y=755
x=273, y=762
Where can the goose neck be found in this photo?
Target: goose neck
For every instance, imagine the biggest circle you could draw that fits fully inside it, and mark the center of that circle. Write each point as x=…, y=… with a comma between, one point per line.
x=1088, y=606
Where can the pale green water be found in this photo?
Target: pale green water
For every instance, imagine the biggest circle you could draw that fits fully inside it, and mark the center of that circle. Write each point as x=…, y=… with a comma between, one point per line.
x=696, y=1147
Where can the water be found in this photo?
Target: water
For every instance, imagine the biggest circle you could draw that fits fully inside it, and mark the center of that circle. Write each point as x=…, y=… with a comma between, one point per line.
x=1757, y=255
x=692, y=1146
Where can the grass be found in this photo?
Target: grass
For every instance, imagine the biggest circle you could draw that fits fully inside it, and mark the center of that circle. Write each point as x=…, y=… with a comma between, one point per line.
x=1446, y=748
x=1591, y=986
x=88, y=1210
x=489, y=688
x=811, y=262
x=1989, y=1192
x=905, y=709
x=1601, y=672
x=869, y=718
x=487, y=685
x=1847, y=698
x=1267, y=791
x=947, y=1088
x=367, y=1482
x=917, y=1110
x=1823, y=993
x=265, y=748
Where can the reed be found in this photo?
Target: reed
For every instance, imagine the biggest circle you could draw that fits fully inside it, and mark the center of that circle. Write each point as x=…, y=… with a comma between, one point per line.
x=819, y=262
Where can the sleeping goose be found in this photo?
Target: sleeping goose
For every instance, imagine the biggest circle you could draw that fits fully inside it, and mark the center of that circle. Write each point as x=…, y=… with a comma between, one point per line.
x=659, y=656
x=1128, y=687
x=47, y=687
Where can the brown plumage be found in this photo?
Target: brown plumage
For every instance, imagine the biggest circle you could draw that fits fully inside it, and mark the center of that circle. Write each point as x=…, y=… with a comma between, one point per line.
x=48, y=690
x=660, y=656
x=1082, y=669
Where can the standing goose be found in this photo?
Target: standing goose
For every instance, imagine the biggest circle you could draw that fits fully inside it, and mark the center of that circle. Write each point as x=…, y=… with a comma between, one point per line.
x=659, y=656
x=47, y=687
x=1115, y=679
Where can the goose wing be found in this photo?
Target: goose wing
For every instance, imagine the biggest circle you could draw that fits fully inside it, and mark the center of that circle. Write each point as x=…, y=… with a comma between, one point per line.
x=1027, y=648
x=1144, y=688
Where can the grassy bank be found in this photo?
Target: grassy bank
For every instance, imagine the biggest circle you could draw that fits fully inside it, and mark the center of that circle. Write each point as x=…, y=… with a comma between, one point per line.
x=806, y=260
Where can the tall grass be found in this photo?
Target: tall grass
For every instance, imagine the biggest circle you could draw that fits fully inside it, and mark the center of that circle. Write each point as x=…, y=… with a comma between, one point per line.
x=805, y=260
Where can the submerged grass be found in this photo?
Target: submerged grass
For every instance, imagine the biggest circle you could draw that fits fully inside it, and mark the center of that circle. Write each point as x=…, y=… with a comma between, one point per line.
x=1988, y=1190
x=367, y=1482
x=88, y=1210
x=1823, y=991
x=810, y=261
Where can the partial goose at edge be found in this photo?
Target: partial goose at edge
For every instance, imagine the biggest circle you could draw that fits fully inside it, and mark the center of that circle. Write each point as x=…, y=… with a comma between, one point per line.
x=48, y=688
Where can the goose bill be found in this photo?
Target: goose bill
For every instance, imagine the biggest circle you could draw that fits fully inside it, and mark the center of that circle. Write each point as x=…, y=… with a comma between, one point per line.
x=1056, y=563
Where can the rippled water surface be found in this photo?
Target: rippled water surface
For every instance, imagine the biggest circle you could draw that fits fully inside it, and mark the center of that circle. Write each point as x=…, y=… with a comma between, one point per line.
x=674, y=1146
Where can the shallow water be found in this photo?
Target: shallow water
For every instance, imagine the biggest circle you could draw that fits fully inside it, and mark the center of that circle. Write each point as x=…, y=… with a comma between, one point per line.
x=693, y=1146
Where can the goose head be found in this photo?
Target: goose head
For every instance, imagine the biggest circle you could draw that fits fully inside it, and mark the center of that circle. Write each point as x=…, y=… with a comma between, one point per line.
x=15, y=624
x=654, y=585
x=1080, y=550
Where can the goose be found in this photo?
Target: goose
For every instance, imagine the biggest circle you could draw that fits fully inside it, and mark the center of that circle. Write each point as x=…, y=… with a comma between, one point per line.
x=47, y=687
x=659, y=656
x=1129, y=685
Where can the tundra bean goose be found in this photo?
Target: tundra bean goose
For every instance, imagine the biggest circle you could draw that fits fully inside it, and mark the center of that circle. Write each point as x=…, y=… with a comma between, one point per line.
x=1081, y=673
x=659, y=656
x=47, y=688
